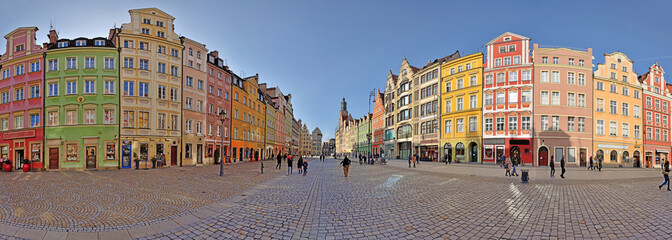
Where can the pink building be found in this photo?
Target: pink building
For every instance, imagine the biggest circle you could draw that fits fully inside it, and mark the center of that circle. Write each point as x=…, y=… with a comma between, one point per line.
x=563, y=105
x=507, y=91
x=219, y=90
x=656, y=104
x=21, y=90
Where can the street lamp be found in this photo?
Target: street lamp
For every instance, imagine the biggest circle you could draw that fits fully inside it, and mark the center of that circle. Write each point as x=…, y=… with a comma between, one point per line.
x=222, y=117
x=370, y=133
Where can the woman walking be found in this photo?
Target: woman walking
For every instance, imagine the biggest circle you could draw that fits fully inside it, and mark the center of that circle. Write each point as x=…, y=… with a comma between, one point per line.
x=666, y=173
x=299, y=164
x=507, y=166
x=289, y=165
x=552, y=165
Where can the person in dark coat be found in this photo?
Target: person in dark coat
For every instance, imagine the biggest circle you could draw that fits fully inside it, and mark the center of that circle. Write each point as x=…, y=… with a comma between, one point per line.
x=666, y=175
x=590, y=164
x=279, y=158
x=289, y=165
x=562, y=167
x=346, y=165
x=552, y=165
x=299, y=164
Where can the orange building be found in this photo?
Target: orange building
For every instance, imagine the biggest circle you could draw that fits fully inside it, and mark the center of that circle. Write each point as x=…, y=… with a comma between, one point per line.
x=248, y=119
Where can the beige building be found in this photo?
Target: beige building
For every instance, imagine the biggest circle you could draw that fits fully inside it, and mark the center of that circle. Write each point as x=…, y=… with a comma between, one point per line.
x=399, y=93
x=305, y=140
x=151, y=70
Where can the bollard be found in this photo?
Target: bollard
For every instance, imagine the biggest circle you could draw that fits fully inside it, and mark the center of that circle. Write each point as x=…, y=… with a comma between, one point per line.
x=524, y=176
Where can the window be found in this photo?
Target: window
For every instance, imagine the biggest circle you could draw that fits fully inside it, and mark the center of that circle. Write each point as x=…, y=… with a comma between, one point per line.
x=599, y=85
x=555, y=98
x=19, y=70
x=498, y=62
x=199, y=127
x=625, y=109
x=625, y=78
x=146, y=21
x=556, y=123
x=174, y=122
x=5, y=73
x=200, y=84
x=570, y=124
x=19, y=48
x=89, y=62
x=80, y=43
x=488, y=99
x=63, y=44
x=99, y=43
x=582, y=100
x=599, y=127
x=71, y=63
x=513, y=97
x=665, y=120
x=513, y=76
x=34, y=67
x=159, y=23
x=71, y=88
x=507, y=61
x=544, y=123
x=613, y=75
x=174, y=53
x=612, y=129
x=161, y=92
x=109, y=63
x=544, y=76
x=53, y=89
x=174, y=95
x=500, y=124
x=488, y=124
x=582, y=124
x=189, y=81
x=71, y=117
x=612, y=107
x=526, y=96
x=472, y=102
x=211, y=89
x=657, y=119
x=664, y=106
x=613, y=89
x=502, y=49
x=145, y=31
x=188, y=103
x=544, y=60
x=18, y=122
x=448, y=126
x=473, y=81
x=129, y=89
x=526, y=124
x=570, y=78
x=143, y=89
x=513, y=123
x=657, y=134
x=128, y=63
x=89, y=116
x=544, y=98
x=143, y=120
x=109, y=116
x=160, y=34
x=570, y=99
x=501, y=78
x=34, y=120
x=635, y=93
x=625, y=131
x=636, y=111
x=657, y=104
x=5, y=97
x=174, y=71
x=571, y=61
x=18, y=94
x=625, y=91
x=34, y=91
x=488, y=81
x=161, y=68
x=473, y=124
x=516, y=59
x=648, y=117
x=89, y=87
x=648, y=102
x=460, y=104
x=144, y=64
x=459, y=125
x=555, y=60
x=199, y=106
x=128, y=44
x=460, y=83
x=526, y=75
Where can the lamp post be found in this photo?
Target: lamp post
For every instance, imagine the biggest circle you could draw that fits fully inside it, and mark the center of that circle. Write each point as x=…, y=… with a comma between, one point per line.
x=222, y=117
x=370, y=133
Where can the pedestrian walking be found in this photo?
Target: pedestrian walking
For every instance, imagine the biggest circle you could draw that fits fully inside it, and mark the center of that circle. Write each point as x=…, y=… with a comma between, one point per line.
x=346, y=165
x=415, y=159
x=599, y=164
x=305, y=168
x=410, y=159
x=507, y=166
x=299, y=164
x=445, y=158
x=514, y=173
x=552, y=165
x=289, y=165
x=666, y=173
x=279, y=158
x=562, y=167
x=590, y=166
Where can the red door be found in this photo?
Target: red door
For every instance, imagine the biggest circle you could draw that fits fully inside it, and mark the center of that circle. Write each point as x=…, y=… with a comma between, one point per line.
x=53, y=158
x=543, y=156
x=173, y=155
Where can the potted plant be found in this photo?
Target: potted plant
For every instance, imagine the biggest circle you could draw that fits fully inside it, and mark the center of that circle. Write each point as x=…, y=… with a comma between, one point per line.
x=7, y=165
x=137, y=163
x=26, y=165
x=154, y=159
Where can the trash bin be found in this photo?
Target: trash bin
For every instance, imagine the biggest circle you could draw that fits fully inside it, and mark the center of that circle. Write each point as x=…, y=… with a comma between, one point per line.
x=524, y=176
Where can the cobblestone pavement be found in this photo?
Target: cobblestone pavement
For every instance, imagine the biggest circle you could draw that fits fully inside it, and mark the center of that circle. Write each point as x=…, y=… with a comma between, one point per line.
x=388, y=202
x=110, y=200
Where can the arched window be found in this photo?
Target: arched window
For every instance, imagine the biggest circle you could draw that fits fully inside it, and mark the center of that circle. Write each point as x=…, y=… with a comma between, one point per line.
x=613, y=156
x=626, y=157
x=459, y=151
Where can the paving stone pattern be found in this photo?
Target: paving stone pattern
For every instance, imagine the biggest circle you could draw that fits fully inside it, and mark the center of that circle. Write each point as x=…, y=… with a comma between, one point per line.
x=111, y=200
x=386, y=202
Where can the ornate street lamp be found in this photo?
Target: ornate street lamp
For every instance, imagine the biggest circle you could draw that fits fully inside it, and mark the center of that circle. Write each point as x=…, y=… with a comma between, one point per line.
x=222, y=117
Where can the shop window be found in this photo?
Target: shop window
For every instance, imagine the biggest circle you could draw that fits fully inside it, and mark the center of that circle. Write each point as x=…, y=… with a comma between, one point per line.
x=110, y=151
x=71, y=152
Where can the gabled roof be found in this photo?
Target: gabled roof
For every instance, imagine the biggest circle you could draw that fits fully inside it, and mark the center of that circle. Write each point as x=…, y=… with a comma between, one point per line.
x=504, y=34
x=669, y=86
x=20, y=29
x=445, y=59
x=152, y=9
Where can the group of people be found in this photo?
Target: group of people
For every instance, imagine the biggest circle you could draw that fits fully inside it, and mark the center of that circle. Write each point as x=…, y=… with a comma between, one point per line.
x=595, y=164
x=509, y=165
x=301, y=165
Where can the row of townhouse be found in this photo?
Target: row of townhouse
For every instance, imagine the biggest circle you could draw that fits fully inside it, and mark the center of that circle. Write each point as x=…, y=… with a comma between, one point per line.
x=141, y=93
x=531, y=103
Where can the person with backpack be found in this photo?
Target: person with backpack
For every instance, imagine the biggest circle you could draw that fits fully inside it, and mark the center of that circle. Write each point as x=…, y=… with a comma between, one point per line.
x=289, y=165
x=299, y=164
x=305, y=168
x=666, y=175
x=346, y=165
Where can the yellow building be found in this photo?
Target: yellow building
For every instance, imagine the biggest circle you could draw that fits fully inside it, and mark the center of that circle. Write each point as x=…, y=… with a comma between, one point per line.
x=461, y=113
x=150, y=73
x=617, y=136
x=249, y=112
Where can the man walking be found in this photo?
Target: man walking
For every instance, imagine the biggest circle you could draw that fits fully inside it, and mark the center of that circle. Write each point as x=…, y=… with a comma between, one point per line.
x=410, y=159
x=289, y=165
x=552, y=165
x=346, y=165
x=562, y=167
x=599, y=164
x=590, y=166
x=279, y=158
x=666, y=173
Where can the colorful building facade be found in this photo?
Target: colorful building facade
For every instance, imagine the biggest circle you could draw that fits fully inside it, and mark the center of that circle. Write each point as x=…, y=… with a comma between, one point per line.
x=563, y=105
x=461, y=115
x=508, y=85
x=249, y=110
x=21, y=106
x=378, y=124
x=656, y=124
x=218, y=145
x=151, y=89
x=82, y=104
x=194, y=97
x=617, y=137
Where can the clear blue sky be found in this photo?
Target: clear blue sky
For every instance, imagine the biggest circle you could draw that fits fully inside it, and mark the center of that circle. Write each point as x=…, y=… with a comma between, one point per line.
x=321, y=51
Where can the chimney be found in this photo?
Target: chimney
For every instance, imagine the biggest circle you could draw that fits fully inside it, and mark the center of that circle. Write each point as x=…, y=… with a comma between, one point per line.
x=53, y=36
x=215, y=54
x=110, y=36
x=536, y=45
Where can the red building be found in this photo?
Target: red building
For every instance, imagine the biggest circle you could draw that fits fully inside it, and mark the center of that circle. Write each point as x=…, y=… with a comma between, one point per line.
x=378, y=124
x=507, y=91
x=218, y=99
x=21, y=88
x=656, y=105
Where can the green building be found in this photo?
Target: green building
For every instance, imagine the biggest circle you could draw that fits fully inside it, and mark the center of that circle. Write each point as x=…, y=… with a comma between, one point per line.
x=81, y=104
x=363, y=129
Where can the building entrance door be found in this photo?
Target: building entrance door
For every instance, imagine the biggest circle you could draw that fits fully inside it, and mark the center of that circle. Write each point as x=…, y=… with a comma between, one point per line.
x=53, y=158
x=91, y=157
x=173, y=155
x=582, y=157
x=18, y=158
x=543, y=156
x=199, y=152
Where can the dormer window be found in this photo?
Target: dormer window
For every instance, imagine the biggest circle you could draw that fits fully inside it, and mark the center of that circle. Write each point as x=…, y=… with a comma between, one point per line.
x=20, y=47
x=80, y=43
x=63, y=44
x=159, y=23
x=507, y=38
x=99, y=43
x=146, y=21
